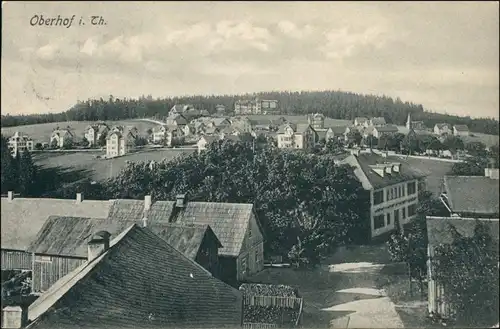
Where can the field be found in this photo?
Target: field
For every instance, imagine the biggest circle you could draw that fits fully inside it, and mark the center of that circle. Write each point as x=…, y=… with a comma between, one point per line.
x=298, y=119
x=488, y=140
x=435, y=170
x=100, y=169
x=41, y=132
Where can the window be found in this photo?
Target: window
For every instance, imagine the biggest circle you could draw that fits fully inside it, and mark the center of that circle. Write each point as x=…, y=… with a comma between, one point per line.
x=392, y=193
x=412, y=210
x=244, y=266
x=388, y=219
x=403, y=213
x=44, y=259
x=388, y=196
x=257, y=258
x=378, y=197
x=396, y=217
x=412, y=189
x=400, y=192
x=378, y=221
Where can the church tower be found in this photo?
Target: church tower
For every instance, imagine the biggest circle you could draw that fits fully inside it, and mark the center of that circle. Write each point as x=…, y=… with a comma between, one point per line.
x=408, y=122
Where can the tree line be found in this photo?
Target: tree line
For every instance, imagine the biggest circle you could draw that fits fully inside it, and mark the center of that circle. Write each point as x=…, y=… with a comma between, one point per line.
x=333, y=104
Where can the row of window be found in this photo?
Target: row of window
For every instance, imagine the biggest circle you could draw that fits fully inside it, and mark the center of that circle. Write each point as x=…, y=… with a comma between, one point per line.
x=382, y=220
x=394, y=193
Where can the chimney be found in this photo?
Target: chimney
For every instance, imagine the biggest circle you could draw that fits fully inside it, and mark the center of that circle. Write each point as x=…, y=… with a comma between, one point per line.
x=14, y=317
x=144, y=221
x=10, y=195
x=396, y=167
x=388, y=169
x=79, y=197
x=98, y=245
x=147, y=202
x=180, y=201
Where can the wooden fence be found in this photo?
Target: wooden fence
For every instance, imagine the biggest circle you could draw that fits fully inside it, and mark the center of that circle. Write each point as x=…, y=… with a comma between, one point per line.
x=289, y=302
x=259, y=325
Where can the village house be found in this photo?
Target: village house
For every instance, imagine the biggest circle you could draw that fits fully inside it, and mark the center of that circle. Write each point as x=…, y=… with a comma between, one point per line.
x=256, y=106
x=317, y=121
x=188, y=130
x=204, y=141
x=331, y=133
x=442, y=128
x=375, y=122
x=22, y=219
x=177, y=120
x=18, y=143
x=93, y=133
x=120, y=141
x=243, y=123
x=180, y=109
x=151, y=284
x=61, y=137
x=417, y=125
x=220, y=109
x=360, y=121
x=472, y=196
x=440, y=232
x=461, y=130
x=393, y=186
x=61, y=244
x=297, y=136
x=235, y=225
x=165, y=134
x=378, y=131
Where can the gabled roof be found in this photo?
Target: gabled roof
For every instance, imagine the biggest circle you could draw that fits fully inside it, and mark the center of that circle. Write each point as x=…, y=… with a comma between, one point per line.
x=439, y=229
x=321, y=133
x=338, y=130
x=377, y=121
x=140, y=282
x=361, y=119
x=229, y=221
x=219, y=121
x=178, y=118
x=472, y=194
x=363, y=169
x=62, y=132
x=442, y=125
x=461, y=128
x=387, y=129
x=180, y=108
x=22, y=218
x=68, y=236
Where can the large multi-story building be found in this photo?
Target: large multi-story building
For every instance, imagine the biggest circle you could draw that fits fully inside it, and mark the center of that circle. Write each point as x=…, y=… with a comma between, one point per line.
x=256, y=106
x=61, y=137
x=393, y=187
x=297, y=136
x=317, y=121
x=120, y=141
x=94, y=132
x=18, y=143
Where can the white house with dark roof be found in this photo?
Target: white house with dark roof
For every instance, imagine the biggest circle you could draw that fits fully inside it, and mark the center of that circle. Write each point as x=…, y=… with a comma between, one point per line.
x=378, y=131
x=297, y=136
x=120, y=141
x=61, y=136
x=17, y=143
x=360, y=121
x=375, y=122
x=442, y=128
x=93, y=132
x=472, y=196
x=393, y=186
x=461, y=130
x=137, y=280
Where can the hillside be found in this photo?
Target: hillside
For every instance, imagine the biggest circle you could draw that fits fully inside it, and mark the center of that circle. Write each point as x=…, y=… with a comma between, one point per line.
x=333, y=104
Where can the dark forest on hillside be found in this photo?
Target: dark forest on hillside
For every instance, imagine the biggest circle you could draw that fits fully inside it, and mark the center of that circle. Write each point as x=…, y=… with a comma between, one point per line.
x=333, y=104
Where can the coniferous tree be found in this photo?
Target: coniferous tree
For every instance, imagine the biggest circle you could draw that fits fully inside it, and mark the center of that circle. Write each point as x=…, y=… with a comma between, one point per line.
x=27, y=174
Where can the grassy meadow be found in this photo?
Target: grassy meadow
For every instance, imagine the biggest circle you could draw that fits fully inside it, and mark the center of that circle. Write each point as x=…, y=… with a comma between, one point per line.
x=99, y=169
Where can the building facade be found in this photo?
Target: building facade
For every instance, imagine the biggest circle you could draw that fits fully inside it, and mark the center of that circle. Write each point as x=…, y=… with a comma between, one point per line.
x=393, y=187
x=442, y=128
x=297, y=136
x=120, y=142
x=461, y=130
x=18, y=143
x=256, y=106
x=61, y=137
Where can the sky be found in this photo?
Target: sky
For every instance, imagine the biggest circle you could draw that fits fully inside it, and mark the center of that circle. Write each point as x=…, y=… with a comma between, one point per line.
x=443, y=55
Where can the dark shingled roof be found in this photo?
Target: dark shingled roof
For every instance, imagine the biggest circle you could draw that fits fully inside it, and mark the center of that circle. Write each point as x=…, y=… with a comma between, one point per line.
x=387, y=129
x=370, y=179
x=68, y=236
x=229, y=221
x=461, y=127
x=140, y=282
x=472, y=194
x=440, y=232
x=22, y=218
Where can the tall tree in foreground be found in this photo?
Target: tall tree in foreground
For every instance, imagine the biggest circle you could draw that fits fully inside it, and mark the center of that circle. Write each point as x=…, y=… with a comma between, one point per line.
x=27, y=174
x=468, y=269
x=8, y=169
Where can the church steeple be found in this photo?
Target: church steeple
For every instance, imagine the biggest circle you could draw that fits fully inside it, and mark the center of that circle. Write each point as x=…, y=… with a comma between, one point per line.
x=408, y=121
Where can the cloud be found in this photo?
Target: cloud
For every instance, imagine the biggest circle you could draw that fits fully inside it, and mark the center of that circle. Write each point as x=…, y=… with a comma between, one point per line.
x=293, y=31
